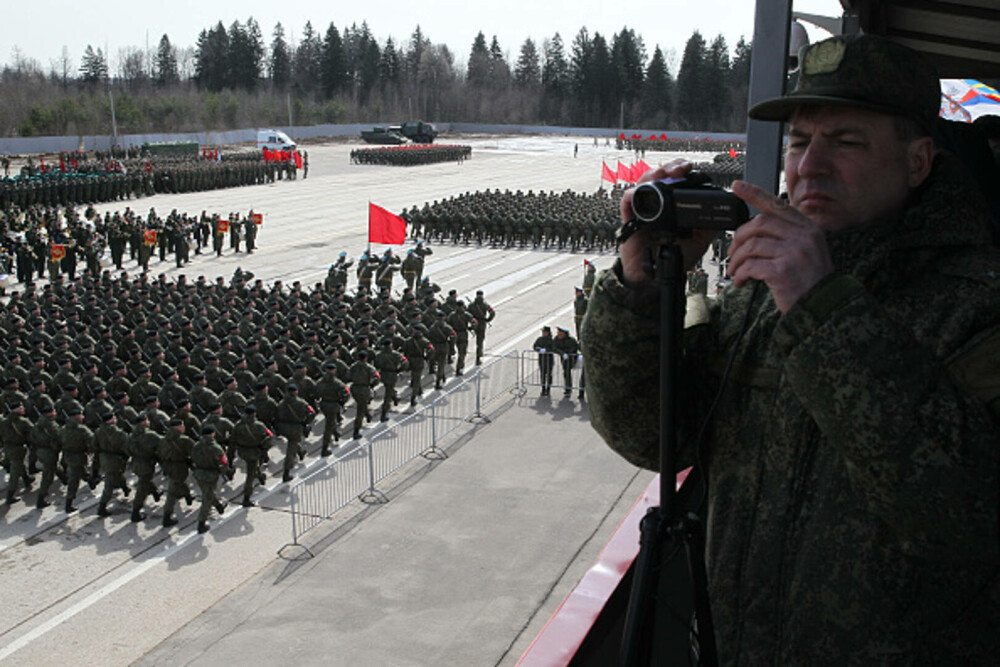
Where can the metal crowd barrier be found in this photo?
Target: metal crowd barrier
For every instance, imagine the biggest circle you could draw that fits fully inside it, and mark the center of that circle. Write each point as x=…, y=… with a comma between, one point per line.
x=355, y=475
x=531, y=372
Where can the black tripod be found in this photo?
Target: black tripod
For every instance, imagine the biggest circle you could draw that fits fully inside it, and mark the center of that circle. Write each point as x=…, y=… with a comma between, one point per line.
x=666, y=527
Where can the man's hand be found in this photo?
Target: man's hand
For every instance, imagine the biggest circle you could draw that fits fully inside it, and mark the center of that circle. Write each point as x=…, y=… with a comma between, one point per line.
x=633, y=251
x=780, y=246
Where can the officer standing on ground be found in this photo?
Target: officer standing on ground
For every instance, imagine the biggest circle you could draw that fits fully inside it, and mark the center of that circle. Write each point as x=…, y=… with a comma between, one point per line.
x=543, y=346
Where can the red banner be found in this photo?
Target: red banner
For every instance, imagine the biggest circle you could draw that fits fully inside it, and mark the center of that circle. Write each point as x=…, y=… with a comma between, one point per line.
x=385, y=227
x=223, y=226
x=58, y=251
x=258, y=218
x=607, y=174
x=298, y=160
x=623, y=172
x=149, y=237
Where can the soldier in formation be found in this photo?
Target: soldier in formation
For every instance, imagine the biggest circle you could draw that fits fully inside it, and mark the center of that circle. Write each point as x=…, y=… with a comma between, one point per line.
x=121, y=370
x=410, y=155
x=563, y=221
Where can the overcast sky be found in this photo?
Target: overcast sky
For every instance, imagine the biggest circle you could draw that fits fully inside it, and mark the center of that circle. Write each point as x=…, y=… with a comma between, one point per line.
x=40, y=29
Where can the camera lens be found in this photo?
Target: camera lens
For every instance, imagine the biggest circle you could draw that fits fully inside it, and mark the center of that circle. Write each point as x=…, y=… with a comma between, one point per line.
x=647, y=202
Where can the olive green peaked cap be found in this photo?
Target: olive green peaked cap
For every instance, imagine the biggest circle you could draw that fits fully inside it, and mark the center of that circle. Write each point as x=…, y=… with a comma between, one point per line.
x=864, y=72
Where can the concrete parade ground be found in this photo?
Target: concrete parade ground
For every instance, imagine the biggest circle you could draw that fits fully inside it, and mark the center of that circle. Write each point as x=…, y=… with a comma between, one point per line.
x=470, y=555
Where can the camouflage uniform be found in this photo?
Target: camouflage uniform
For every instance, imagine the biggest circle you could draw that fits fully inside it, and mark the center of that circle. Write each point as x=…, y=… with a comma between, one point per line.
x=852, y=456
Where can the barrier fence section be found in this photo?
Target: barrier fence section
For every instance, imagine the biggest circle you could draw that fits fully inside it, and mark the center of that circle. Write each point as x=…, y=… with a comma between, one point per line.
x=531, y=373
x=318, y=496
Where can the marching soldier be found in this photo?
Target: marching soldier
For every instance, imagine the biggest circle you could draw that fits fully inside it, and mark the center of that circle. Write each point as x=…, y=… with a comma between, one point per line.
x=252, y=442
x=484, y=314
x=294, y=416
x=143, y=445
x=76, y=440
x=15, y=430
x=363, y=377
x=175, y=460
x=332, y=394
x=389, y=363
x=208, y=459
x=110, y=442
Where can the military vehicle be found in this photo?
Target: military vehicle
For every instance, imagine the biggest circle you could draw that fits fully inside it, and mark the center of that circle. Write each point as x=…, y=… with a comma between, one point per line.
x=418, y=132
x=383, y=135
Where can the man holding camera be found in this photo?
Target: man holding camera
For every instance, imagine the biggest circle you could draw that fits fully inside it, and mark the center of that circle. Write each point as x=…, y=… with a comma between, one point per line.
x=842, y=396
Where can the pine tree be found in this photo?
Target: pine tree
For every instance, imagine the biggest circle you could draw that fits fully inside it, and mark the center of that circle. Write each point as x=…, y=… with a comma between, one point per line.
x=555, y=80
x=657, y=92
x=691, y=84
x=389, y=64
x=716, y=91
x=478, y=71
x=93, y=67
x=280, y=63
x=333, y=63
x=305, y=73
x=166, y=64
x=211, y=60
x=528, y=72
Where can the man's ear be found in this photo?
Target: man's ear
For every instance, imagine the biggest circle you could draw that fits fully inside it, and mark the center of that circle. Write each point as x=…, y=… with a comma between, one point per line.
x=920, y=158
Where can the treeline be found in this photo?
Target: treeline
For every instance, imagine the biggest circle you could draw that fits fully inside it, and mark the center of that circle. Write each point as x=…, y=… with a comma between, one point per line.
x=232, y=79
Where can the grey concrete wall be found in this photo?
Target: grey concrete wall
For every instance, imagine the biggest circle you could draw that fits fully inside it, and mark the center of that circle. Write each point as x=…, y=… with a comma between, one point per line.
x=33, y=145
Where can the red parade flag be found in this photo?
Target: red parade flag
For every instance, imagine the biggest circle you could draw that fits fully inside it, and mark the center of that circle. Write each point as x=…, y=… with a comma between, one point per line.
x=223, y=226
x=623, y=172
x=641, y=168
x=298, y=160
x=258, y=218
x=663, y=137
x=607, y=174
x=732, y=152
x=621, y=136
x=385, y=227
x=149, y=237
x=62, y=163
x=58, y=251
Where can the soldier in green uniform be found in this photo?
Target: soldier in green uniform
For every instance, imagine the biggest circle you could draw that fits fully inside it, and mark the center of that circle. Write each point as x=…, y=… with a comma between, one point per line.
x=252, y=440
x=440, y=334
x=293, y=417
x=208, y=459
x=143, y=447
x=417, y=349
x=46, y=443
x=543, y=346
x=484, y=314
x=389, y=363
x=567, y=349
x=110, y=443
x=175, y=460
x=76, y=440
x=851, y=454
x=364, y=378
x=15, y=430
x=332, y=394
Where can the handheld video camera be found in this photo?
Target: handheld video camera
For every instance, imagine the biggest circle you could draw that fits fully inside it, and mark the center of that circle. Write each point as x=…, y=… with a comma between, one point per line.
x=678, y=205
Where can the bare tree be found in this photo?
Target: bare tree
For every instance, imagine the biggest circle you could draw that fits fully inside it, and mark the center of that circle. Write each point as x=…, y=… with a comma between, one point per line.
x=62, y=67
x=131, y=68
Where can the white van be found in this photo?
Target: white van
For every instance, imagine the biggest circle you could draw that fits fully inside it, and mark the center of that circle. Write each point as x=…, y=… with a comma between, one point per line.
x=276, y=140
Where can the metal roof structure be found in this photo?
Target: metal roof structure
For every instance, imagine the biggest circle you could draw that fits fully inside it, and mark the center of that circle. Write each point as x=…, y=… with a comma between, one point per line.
x=961, y=37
